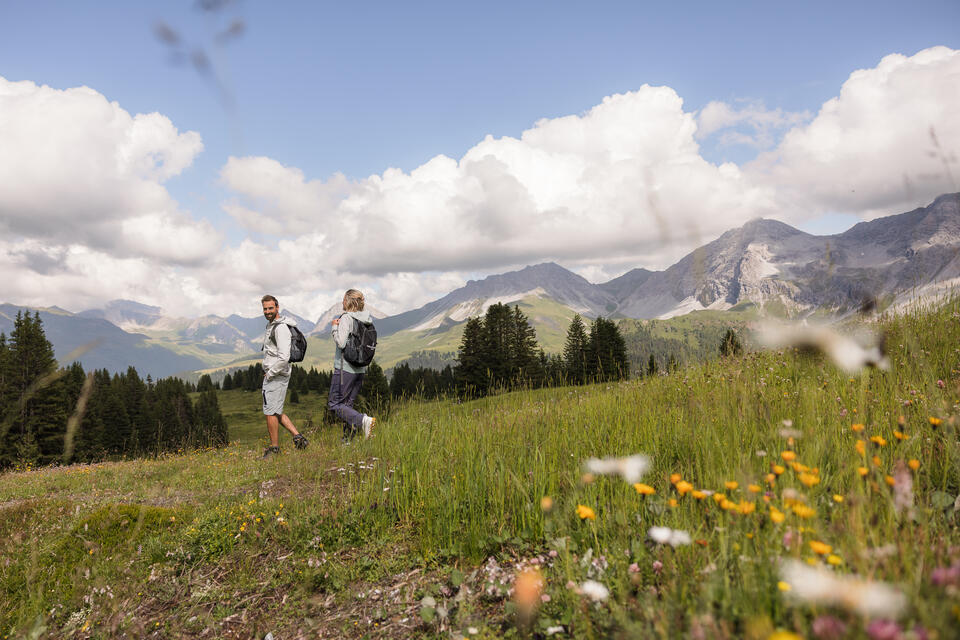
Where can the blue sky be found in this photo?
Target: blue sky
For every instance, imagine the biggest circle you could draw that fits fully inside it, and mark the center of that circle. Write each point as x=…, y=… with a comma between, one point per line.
x=339, y=88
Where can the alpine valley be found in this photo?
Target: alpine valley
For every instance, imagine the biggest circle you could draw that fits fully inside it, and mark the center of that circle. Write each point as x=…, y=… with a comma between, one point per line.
x=764, y=267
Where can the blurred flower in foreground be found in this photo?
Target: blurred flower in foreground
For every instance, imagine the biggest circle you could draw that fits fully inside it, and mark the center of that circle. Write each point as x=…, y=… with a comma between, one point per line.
x=527, y=589
x=594, y=590
x=847, y=353
x=829, y=628
x=546, y=503
x=630, y=468
x=585, y=512
x=666, y=535
x=884, y=630
x=644, y=489
x=822, y=587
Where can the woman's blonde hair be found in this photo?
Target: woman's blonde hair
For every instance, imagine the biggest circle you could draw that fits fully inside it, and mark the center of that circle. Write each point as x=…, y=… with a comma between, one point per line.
x=352, y=300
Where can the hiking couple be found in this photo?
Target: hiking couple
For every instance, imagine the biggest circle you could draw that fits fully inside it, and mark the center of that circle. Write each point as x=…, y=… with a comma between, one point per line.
x=283, y=343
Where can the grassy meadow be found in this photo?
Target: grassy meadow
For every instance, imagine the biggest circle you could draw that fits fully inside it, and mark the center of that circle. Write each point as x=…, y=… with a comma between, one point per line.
x=476, y=519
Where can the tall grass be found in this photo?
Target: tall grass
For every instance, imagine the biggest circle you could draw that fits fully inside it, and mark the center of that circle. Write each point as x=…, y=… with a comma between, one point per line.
x=446, y=485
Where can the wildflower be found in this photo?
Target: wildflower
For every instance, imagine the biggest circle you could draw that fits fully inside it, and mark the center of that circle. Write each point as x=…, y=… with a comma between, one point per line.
x=819, y=586
x=783, y=586
x=837, y=497
x=820, y=548
x=834, y=560
x=585, y=512
x=776, y=515
x=788, y=455
x=746, y=508
x=675, y=478
x=683, y=487
x=587, y=478
x=594, y=590
x=784, y=635
x=934, y=421
x=808, y=479
x=666, y=535
x=829, y=628
x=857, y=427
x=630, y=468
x=698, y=495
x=846, y=353
x=719, y=497
x=754, y=488
x=792, y=496
x=884, y=630
x=546, y=503
x=876, y=461
x=777, y=469
x=863, y=471
x=790, y=434
x=902, y=488
x=900, y=435
x=770, y=478
x=914, y=464
x=889, y=480
x=727, y=505
x=861, y=446
x=803, y=511
x=634, y=568
x=941, y=384
x=731, y=484
x=878, y=440
x=672, y=502
x=644, y=489
x=527, y=588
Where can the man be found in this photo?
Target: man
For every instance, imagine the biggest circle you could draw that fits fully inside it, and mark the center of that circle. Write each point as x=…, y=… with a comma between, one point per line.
x=276, y=368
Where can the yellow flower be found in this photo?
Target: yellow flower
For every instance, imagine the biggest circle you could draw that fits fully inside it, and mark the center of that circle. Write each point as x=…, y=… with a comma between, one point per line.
x=731, y=484
x=857, y=427
x=675, y=478
x=808, y=479
x=777, y=469
x=783, y=586
x=683, y=487
x=644, y=489
x=876, y=461
x=861, y=446
x=788, y=455
x=914, y=464
x=837, y=497
x=546, y=503
x=784, y=635
x=889, y=480
x=672, y=502
x=800, y=468
x=776, y=515
x=935, y=421
x=746, y=508
x=820, y=548
x=770, y=478
x=803, y=511
x=753, y=488
x=900, y=435
x=835, y=560
x=585, y=512
x=880, y=440
x=719, y=497
x=699, y=495
x=863, y=471
x=727, y=505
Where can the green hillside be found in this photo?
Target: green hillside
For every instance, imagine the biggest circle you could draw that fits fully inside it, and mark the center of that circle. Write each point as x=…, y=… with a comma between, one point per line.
x=424, y=530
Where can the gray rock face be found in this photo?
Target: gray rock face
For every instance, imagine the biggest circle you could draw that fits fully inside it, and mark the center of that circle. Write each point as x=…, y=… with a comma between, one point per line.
x=766, y=260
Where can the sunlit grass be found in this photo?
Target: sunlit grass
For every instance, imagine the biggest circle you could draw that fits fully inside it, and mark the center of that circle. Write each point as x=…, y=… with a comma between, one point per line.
x=756, y=460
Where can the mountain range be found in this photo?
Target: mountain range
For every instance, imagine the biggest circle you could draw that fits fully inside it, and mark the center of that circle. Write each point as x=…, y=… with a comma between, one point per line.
x=765, y=263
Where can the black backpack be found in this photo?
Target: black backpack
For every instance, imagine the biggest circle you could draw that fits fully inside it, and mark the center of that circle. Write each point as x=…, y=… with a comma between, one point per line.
x=361, y=343
x=298, y=343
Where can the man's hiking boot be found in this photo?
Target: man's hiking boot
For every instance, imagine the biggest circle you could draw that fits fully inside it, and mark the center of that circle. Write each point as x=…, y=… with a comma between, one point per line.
x=300, y=442
x=271, y=451
x=368, y=424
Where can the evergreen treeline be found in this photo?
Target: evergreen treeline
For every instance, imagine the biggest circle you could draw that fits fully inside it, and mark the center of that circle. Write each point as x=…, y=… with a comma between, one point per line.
x=124, y=415
x=597, y=356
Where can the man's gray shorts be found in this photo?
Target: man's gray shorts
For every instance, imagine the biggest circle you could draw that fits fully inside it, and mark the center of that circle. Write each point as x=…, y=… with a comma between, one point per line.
x=274, y=391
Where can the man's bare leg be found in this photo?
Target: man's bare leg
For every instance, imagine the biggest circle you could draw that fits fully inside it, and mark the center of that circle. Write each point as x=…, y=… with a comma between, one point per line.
x=288, y=425
x=273, y=430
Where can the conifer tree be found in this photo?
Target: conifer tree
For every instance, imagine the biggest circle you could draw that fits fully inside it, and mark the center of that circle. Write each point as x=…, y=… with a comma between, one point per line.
x=575, y=352
x=526, y=366
x=471, y=373
x=730, y=344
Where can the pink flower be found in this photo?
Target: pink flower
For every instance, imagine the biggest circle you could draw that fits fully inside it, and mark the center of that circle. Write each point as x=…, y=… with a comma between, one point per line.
x=829, y=628
x=941, y=384
x=634, y=568
x=884, y=630
x=657, y=567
